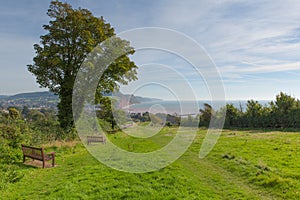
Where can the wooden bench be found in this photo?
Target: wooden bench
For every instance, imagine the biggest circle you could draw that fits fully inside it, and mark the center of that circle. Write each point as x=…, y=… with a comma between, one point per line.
x=91, y=139
x=37, y=154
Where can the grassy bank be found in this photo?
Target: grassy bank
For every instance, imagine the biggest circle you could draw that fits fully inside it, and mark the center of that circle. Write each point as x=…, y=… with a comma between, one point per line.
x=243, y=165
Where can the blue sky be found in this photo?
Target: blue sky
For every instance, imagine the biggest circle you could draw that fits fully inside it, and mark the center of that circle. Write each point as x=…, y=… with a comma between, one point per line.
x=254, y=44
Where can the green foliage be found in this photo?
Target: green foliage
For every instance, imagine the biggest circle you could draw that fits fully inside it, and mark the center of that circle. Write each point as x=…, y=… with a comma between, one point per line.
x=283, y=113
x=232, y=115
x=38, y=127
x=108, y=111
x=14, y=113
x=205, y=115
x=11, y=137
x=71, y=36
x=105, y=125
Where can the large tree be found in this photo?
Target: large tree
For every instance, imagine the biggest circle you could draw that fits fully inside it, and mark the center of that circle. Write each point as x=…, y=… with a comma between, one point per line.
x=71, y=35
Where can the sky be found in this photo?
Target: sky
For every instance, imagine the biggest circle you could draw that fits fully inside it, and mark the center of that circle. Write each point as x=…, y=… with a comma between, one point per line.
x=254, y=45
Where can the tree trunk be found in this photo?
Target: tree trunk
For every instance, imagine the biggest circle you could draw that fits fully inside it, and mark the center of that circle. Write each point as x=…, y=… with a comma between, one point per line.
x=65, y=114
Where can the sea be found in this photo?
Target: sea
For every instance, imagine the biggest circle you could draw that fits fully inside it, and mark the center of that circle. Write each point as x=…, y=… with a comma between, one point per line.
x=185, y=107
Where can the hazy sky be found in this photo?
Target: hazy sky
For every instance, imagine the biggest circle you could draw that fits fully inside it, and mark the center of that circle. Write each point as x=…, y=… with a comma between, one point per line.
x=254, y=44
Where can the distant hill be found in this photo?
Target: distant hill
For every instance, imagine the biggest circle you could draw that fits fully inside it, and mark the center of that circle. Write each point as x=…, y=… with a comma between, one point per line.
x=33, y=95
x=3, y=96
x=146, y=99
x=50, y=100
x=134, y=99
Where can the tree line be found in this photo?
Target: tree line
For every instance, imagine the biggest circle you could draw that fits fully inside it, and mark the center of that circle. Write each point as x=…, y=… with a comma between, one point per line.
x=284, y=112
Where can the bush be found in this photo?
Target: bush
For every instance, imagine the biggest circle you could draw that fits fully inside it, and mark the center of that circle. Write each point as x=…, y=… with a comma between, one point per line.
x=11, y=138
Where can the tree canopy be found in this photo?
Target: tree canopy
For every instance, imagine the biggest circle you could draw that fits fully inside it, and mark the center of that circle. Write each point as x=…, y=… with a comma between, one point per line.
x=71, y=35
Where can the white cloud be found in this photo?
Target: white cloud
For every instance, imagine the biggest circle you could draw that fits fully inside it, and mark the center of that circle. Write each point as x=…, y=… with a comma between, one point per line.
x=255, y=68
x=250, y=41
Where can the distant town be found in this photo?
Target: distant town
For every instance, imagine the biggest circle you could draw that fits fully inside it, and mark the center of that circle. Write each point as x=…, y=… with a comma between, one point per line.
x=34, y=100
x=41, y=100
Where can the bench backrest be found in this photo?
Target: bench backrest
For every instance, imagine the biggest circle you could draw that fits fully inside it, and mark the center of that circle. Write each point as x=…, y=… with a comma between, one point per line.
x=91, y=139
x=95, y=138
x=33, y=152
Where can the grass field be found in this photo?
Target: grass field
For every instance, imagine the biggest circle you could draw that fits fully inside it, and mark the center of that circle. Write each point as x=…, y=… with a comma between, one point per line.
x=242, y=165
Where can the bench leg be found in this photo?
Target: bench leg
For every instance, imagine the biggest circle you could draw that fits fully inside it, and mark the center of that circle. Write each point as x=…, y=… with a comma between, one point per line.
x=53, y=161
x=43, y=164
x=23, y=158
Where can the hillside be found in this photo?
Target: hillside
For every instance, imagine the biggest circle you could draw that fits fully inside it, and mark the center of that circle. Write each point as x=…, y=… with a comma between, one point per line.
x=3, y=96
x=32, y=95
x=135, y=99
x=50, y=100
x=31, y=100
x=242, y=165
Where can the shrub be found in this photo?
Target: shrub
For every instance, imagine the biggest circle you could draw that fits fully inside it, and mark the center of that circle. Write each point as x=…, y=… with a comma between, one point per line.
x=11, y=138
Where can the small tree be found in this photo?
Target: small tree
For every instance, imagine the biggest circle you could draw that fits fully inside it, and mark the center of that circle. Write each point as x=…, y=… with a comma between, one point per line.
x=205, y=115
x=72, y=35
x=283, y=106
x=284, y=102
x=14, y=113
x=109, y=112
x=232, y=115
x=253, y=113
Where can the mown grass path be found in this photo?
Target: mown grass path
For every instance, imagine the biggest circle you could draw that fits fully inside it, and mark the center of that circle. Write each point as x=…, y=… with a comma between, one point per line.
x=243, y=165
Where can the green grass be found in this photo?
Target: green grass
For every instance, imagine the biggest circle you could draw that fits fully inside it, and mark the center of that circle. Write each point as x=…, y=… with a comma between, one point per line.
x=242, y=165
x=269, y=160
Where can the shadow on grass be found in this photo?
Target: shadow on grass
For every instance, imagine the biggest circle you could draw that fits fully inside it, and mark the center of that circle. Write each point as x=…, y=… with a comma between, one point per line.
x=22, y=165
x=32, y=164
